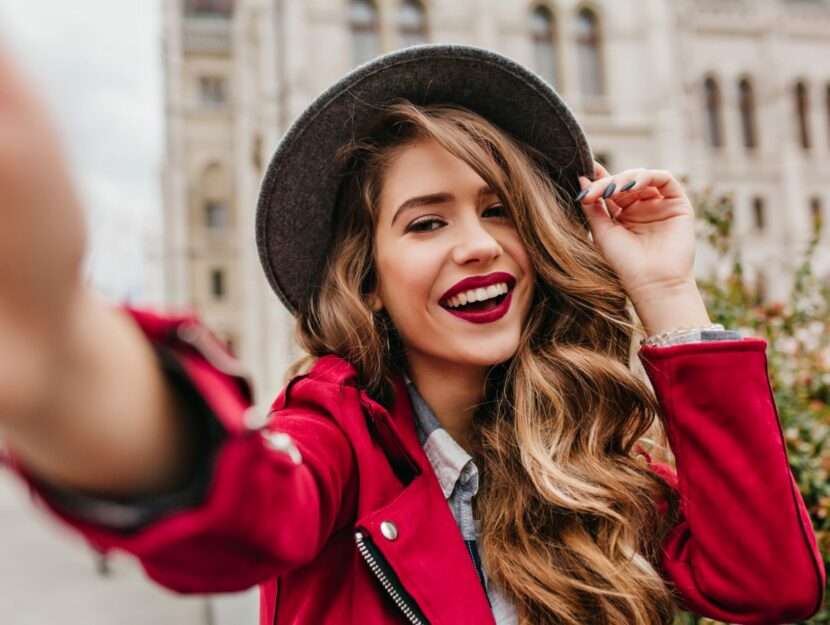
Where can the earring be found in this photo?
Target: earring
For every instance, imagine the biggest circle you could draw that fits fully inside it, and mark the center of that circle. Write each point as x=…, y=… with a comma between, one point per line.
x=384, y=323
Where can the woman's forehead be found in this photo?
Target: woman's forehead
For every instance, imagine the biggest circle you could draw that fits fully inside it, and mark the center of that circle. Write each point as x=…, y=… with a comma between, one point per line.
x=427, y=168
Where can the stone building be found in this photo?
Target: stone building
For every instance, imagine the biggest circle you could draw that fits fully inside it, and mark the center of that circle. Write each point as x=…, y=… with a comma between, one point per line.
x=733, y=94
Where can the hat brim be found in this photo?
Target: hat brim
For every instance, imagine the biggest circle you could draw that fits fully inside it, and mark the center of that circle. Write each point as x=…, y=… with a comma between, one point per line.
x=295, y=211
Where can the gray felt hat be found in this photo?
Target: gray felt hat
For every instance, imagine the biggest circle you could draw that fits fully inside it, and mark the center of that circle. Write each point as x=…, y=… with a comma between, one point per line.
x=295, y=211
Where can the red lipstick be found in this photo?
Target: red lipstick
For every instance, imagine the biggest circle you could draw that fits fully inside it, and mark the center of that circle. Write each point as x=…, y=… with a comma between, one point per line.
x=479, y=282
x=475, y=282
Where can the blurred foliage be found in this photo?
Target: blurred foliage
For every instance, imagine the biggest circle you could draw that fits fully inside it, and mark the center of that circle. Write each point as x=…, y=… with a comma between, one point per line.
x=797, y=331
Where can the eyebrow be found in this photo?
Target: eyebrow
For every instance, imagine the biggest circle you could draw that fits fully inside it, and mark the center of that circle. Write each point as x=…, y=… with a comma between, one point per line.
x=435, y=198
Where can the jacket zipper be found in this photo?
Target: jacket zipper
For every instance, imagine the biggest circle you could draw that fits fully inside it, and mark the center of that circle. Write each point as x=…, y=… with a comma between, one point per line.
x=381, y=569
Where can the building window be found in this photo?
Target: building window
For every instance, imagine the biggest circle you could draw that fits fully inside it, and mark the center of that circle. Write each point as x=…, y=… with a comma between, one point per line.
x=412, y=23
x=217, y=284
x=363, y=17
x=827, y=102
x=711, y=93
x=759, y=214
x=543, y=37
x=217, y=8
x=216, y=215
x=588, y=53
x=212, y=91
x=802, y=111
x=746, y=102
x=816, y=215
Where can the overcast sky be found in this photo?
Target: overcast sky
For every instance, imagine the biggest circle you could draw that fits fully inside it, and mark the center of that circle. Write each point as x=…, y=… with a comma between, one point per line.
x=98, y=64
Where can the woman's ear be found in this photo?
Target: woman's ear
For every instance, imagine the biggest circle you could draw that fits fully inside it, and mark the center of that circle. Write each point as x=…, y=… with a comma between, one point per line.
x=374, y=301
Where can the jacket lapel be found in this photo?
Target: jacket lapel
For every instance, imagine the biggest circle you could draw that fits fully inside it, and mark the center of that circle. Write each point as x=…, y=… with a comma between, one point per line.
x=427, y=552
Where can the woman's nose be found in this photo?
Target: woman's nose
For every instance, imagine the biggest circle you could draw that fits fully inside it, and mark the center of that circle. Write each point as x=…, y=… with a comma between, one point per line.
x=476, y=243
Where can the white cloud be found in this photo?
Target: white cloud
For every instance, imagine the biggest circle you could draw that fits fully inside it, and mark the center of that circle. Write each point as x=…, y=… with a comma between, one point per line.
x=97, y=63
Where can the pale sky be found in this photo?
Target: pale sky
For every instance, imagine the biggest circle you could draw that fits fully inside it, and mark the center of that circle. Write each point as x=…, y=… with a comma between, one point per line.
x=98, y=64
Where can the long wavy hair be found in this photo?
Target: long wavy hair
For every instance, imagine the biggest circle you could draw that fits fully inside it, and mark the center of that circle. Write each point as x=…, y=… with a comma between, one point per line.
x=571, y=528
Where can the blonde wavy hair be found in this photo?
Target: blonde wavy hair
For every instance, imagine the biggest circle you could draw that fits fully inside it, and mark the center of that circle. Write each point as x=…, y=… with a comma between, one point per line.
x=570, y=521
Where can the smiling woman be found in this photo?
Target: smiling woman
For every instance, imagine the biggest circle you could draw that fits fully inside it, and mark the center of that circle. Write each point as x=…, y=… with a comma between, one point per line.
x=465, y=439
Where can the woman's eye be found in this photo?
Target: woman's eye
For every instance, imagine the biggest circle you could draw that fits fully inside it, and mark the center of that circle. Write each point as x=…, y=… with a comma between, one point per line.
x=498, y=209
x=424, y=225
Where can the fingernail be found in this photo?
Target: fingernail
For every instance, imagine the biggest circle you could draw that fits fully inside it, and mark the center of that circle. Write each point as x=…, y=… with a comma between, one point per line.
x=582, y=194
x=609, y=191
x=629, y=185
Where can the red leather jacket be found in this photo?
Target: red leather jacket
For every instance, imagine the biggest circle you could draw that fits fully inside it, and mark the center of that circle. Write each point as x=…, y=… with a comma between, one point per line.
x=355, y=528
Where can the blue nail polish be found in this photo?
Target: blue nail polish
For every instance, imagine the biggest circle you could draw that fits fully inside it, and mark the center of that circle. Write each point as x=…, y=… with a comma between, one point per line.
x=582, y=194
x=609, y=190
x=629, y=185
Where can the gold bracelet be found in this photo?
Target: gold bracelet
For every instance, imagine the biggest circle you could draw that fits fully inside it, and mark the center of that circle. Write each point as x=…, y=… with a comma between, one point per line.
x=658, y=340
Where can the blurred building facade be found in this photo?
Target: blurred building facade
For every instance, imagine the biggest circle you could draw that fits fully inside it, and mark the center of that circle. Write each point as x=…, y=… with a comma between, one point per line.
x=732, y=94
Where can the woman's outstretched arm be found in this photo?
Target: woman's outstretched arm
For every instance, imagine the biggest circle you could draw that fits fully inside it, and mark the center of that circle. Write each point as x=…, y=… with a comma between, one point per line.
x=105, y=420
x=82, y=401
x=86, y=408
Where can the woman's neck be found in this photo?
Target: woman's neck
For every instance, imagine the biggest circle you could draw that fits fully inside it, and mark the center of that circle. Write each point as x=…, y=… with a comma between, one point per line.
x=452, y=392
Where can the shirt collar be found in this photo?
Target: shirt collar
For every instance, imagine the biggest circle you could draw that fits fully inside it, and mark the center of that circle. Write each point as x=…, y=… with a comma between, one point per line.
x=447, y=457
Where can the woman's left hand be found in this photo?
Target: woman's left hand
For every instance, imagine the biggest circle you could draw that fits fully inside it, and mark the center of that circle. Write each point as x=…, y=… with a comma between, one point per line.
x=647, y=234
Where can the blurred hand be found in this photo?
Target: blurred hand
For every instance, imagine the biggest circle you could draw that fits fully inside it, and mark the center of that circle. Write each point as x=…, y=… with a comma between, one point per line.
x=42, y=240
x=647, y=233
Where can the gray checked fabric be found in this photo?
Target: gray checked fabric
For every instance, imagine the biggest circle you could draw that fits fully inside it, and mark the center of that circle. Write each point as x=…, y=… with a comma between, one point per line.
x=458, y=476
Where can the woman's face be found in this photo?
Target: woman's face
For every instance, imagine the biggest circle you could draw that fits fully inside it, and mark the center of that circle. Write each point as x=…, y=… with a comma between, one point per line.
x=444, y=240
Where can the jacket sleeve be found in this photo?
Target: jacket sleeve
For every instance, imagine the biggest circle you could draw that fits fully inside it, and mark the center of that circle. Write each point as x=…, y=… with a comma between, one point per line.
x=273, y=493
x=743, y=550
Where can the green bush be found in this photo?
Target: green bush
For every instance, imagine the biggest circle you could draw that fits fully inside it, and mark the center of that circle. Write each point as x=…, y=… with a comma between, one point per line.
x=798, y=334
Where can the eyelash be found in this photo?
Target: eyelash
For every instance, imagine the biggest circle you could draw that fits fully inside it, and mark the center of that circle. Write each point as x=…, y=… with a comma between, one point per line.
x=414, y=226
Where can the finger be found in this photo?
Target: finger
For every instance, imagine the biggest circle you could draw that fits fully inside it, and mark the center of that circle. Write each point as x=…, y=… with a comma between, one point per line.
x=613, y=208
x=628, y=198
x=661, y=180
x=592, y=191
x=14, y=90
x=598, y=219
x=607, y=185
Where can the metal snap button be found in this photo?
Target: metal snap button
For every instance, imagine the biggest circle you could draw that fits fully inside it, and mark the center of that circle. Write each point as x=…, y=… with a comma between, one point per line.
x=389, y=530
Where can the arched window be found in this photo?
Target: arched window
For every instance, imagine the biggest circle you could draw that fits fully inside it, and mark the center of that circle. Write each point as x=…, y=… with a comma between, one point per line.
x=214, y=189
x=543, y=36
x=802, y=112
x=588, y=53
x=711, y=94
x=218, y=8
x=759, y=213
x=216, y=215
x=746, y=102
x=412, y=23
x=363, y=17
x=217, y=284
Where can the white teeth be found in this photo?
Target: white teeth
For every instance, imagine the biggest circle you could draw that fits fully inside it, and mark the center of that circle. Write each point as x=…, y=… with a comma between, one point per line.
x=477, y=295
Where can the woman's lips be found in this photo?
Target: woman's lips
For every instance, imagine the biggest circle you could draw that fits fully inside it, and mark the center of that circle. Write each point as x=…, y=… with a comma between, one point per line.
x=484, y=316
x=475, y=282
